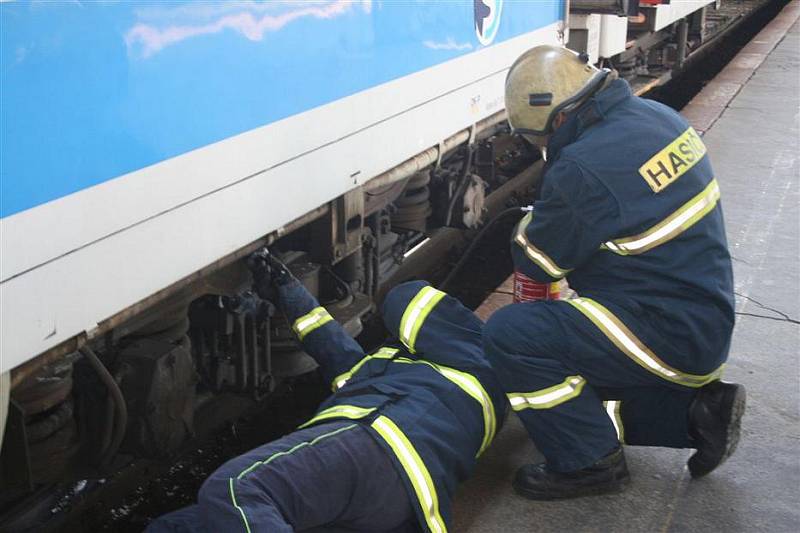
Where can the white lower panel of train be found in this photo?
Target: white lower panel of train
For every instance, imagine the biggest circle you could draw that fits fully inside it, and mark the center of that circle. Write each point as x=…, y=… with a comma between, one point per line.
x=77, y=260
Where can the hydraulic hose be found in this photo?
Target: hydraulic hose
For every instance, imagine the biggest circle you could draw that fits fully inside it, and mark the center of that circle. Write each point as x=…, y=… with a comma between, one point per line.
x=347, y=299
x=121, y=420
x=482, y=233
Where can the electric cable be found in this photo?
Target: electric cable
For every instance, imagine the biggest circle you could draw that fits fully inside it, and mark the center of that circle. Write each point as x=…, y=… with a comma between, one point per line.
x=121, y=420
x=482, y=233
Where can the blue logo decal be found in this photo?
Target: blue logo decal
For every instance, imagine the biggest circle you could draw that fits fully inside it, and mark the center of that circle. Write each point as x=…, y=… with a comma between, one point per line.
x=487, y=19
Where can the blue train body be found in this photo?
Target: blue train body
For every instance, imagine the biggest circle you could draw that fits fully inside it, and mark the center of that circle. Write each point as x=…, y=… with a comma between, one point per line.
x=97, y=90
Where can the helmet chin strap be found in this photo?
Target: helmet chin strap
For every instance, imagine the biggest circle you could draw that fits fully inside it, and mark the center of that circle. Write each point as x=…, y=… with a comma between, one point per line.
x=539, y=141
x=612, y=75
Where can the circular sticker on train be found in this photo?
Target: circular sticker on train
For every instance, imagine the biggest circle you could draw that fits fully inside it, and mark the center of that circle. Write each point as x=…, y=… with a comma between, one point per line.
x=487, y=19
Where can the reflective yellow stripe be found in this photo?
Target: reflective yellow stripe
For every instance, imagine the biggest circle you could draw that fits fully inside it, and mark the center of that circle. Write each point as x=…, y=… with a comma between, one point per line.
x=672, y=226
x=634, y=348
x=352, y=412
x=415, y=469
x=674, y=160
x=472, y=387
x=612, y=410
x=535, y=254
x=311, y=321
x=549, y=397
x=416, y=313
x=340, y=380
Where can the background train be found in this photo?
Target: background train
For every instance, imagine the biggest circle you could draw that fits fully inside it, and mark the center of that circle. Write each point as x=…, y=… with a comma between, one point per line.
x=148, y=148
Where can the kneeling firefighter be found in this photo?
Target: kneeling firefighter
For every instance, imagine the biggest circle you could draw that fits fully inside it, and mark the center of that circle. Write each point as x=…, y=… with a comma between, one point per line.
x=386, y=451
x=629, y=213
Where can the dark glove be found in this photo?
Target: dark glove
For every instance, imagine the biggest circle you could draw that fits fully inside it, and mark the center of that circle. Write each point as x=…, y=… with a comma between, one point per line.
x=268, y=273
x=247, y=302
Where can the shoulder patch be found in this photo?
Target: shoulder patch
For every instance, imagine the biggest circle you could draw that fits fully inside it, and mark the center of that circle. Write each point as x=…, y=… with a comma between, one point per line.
x=673, y=160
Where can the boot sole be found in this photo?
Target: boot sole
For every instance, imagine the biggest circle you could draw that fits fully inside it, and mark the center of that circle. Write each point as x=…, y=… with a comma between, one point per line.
x=615, y=487
x=738, y=405
x=737, y=398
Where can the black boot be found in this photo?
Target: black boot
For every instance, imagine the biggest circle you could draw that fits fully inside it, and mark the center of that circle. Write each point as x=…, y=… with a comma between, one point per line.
x=537, y=482
x=715, y=418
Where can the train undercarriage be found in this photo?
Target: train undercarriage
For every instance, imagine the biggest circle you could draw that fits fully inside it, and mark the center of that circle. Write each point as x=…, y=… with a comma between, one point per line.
x=211, y=350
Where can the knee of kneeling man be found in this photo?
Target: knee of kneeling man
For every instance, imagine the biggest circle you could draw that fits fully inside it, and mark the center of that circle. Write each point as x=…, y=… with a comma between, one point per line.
x=500, y=331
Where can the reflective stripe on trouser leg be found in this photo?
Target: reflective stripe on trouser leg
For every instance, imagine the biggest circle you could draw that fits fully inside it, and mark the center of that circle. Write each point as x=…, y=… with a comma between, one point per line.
x=573, y=434
x=622, y=337
x=566, y=421
x=314, y=476
x=416, y=471
x=267, y=460
x=233, y=499
x=650, y=416
x=535, y=346
x=549, y=397
x=527, y=346
x=613, y=409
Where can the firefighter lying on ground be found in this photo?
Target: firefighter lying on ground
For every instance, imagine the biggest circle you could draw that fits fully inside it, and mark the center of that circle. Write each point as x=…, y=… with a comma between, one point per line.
x=386, y=451
x=629, y=213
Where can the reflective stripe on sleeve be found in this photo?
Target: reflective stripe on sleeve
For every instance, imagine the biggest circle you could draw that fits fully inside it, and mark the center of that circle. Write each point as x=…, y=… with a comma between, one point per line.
x=311, y=321
x=416, y=313
x=672, y=226
x=612, y=409
x=473, y=388
x=415, y=469
x=340, y=380
x=534, y=254
x=352, y=412
x=630, y=345
x=549, y=397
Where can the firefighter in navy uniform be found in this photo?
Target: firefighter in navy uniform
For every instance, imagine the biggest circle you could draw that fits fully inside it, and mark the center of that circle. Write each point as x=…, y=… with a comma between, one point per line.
x=387, y=450
x=629, y=213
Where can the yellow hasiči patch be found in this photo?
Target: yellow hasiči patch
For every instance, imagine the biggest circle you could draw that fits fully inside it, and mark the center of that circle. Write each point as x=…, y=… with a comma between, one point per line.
x=673, y=160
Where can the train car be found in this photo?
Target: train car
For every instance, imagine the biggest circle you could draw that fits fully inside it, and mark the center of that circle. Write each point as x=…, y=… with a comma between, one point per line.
x=148, y=148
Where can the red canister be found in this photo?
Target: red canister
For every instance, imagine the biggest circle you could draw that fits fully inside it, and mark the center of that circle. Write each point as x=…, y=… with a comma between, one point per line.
x=526, y=289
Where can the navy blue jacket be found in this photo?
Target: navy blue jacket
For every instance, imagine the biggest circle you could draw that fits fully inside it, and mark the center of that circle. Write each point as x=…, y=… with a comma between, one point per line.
x=630, y=215
x=430, y=398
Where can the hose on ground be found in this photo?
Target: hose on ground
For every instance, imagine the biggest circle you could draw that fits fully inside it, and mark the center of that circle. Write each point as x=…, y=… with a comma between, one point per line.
x=482, y=233
x=121, y=418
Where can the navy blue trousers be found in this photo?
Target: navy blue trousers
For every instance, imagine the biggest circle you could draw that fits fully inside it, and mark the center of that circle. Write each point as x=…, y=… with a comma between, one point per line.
x=332, y=477
x=538, y=345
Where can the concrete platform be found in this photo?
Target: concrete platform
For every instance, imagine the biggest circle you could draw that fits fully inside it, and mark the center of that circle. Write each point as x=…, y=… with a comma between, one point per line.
x=754, y=142
x=707, y=106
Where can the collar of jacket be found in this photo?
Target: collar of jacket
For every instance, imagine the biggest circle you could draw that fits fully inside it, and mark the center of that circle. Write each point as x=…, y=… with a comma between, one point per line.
x=590, y=113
